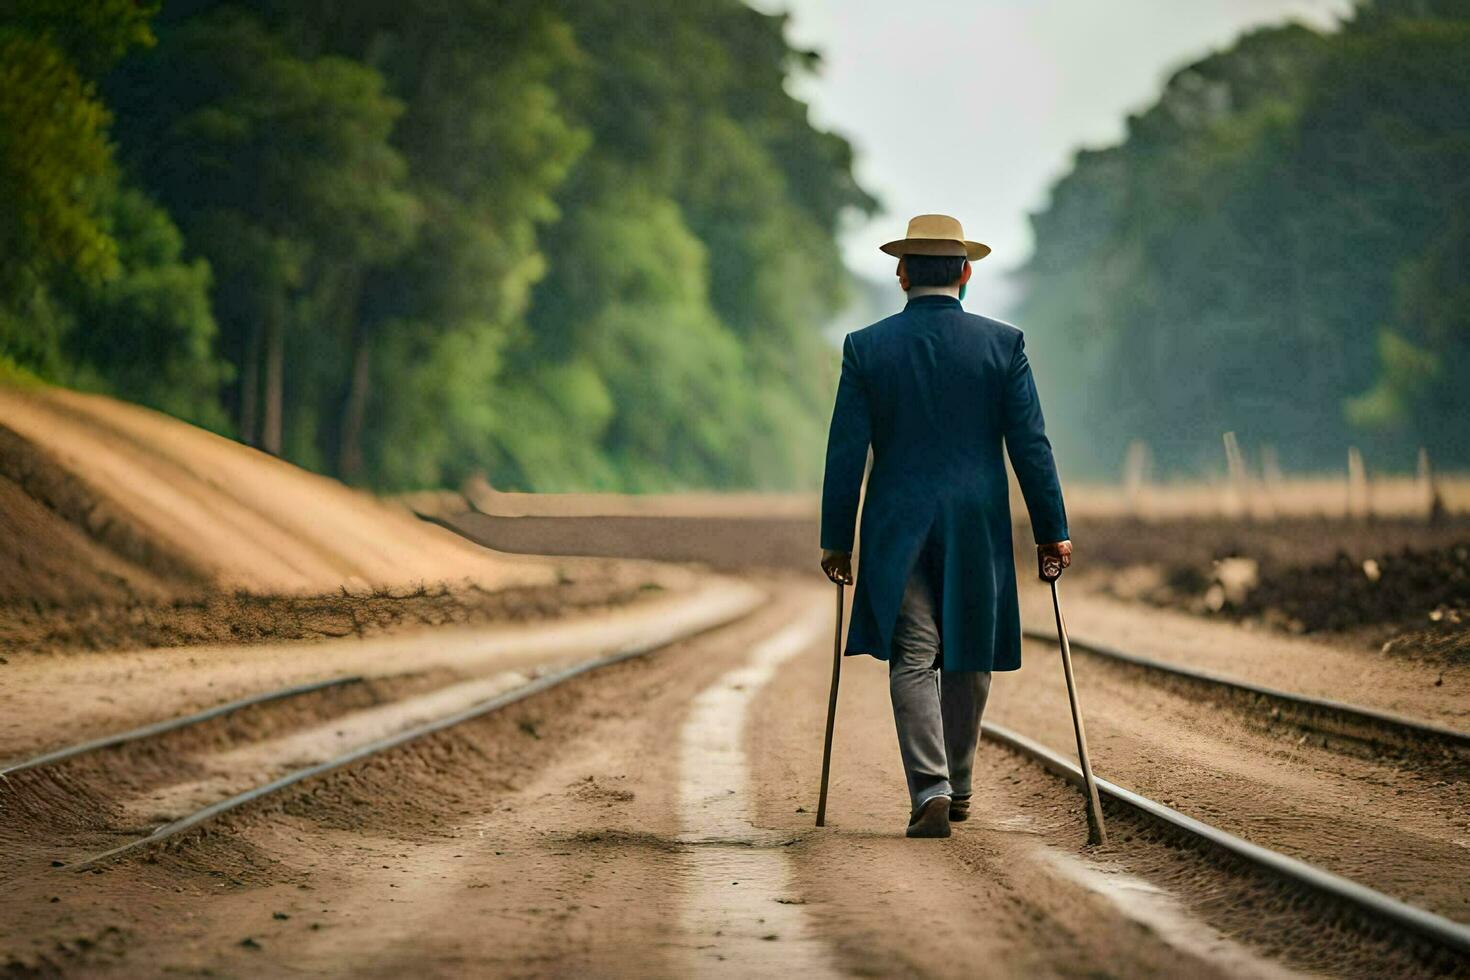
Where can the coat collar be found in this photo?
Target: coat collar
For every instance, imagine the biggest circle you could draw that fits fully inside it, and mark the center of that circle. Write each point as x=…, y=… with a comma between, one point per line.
x=933, y=301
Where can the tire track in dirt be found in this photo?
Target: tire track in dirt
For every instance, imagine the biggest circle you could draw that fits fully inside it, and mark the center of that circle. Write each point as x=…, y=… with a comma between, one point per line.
x=740, y=909
x=543, y=840
x=1395, y=826
x=1016, y=892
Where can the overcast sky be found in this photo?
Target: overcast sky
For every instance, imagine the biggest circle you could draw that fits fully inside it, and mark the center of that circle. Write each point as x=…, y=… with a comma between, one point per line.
x=973, y=107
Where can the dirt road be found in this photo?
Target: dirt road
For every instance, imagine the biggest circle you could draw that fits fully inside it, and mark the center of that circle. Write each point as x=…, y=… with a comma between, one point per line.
x=653, y=819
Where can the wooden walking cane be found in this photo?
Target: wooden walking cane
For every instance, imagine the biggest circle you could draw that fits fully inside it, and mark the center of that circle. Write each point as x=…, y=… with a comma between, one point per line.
x=831, y=710
x=1097, y=833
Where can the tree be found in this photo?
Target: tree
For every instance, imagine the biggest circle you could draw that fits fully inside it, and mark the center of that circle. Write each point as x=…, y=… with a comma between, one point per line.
x=500, y=233
x=148, y=333
x=54, y=156
x=694, y=134
x=1239, y=261
x=487, y=143
x=281, y=172
x=94, y=289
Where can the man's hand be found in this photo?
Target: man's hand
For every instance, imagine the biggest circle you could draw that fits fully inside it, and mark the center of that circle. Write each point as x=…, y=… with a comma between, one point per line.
x=1052, y=558
x=838, y=566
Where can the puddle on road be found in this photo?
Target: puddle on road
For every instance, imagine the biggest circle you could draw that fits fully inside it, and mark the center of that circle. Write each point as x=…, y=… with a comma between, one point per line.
x=1165, y=916
x=737, y=917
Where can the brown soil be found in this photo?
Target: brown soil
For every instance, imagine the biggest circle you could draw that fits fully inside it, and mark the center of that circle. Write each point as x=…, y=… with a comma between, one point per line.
x=1318, y=666
x=571, y=834
x=559, y=838
x=1009, y=894
x=537, y=842
x=108, y=501
x=1411, y=585
x=1310, y=568
x=125, y=528
x=724, y=543
x=47, y=702
x=1401, y=824
x=244, y=618
x=1400, y=583
x=1419, y=679
x=1197, y=543
x=480, y=495
x=49, y=558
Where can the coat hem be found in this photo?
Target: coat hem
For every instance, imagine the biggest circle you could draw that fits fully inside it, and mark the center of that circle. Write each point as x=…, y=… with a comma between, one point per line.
x=851, y=652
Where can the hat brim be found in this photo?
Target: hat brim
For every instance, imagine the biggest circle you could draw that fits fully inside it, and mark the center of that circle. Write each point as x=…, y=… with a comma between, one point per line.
x=974, y=251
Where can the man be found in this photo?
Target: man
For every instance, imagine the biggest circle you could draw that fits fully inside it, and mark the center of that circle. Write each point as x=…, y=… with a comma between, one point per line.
x=935, y=391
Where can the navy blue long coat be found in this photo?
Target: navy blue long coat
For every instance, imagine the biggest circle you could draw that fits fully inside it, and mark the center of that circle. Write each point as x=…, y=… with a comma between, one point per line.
x=935, y=391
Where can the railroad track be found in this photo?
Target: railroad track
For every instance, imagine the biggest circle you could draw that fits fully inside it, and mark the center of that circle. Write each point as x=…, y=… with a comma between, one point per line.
x=1341, y=725
x=375, y=747
x=1367, y=908
x=643, y=642
x=1445, y=942
x=1346, y=724
x=170, y=725
x=446, y=706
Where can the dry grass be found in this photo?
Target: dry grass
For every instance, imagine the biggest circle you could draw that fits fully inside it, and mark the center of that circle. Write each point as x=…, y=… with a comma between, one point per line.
x=1307, y=496
x=1325, y=496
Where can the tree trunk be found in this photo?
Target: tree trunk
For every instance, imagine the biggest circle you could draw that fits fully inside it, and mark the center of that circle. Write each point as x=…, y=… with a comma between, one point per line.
x=275, y=368
x=354, y=407
x=250, y=387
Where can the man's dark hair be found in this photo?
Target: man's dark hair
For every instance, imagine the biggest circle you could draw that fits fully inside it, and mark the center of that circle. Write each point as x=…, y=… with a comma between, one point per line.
x=933, y=270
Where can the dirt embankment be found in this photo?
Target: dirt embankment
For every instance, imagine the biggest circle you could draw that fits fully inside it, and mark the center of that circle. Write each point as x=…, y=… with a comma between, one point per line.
x=1400, y=584
x=124, y=527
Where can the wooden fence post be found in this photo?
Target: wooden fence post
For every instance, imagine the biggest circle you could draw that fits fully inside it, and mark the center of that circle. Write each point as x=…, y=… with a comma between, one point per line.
x=1237, y=496
x=1136, y=466
x=1429, y=492
x=1360, y=506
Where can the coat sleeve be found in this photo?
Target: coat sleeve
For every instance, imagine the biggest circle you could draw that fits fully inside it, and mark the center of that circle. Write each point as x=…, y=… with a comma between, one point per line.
x=847, y=455
x=1030, y=451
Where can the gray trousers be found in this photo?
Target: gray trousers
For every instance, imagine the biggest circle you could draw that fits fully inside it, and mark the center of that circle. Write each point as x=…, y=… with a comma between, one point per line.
x=937, y=711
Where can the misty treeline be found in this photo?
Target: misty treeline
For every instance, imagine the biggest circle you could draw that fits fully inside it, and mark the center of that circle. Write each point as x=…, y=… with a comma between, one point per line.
x=1279, y=247
x=576, y=243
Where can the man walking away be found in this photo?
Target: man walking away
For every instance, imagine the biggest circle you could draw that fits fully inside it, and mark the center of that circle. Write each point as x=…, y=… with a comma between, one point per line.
x=935, y=391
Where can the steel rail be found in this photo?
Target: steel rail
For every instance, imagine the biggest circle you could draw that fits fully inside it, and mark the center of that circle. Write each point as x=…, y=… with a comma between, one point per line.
x=1405, y=729
x=174, y=724
x=183, y=824
x=1436, y=928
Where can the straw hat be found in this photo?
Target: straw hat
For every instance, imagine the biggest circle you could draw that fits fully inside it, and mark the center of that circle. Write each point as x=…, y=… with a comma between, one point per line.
x=936, y=234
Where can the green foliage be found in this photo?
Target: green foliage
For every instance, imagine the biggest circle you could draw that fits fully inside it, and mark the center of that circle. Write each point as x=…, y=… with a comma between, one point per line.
x=640, y=319
x=1408, y=372
x=91, y=34
x=437, y=414
x=487, y=142
x=53, y=146
x=52, y=152
x=1245, y=259
x=281, y=171
x=1425, y=357
x=148, y=334
x=696, y=259
x=576, y=243
x=15, y=376
x=94, y=289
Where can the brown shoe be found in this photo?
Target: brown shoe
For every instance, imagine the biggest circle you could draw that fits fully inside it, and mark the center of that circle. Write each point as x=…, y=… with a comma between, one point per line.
x=932, y=820
x=959, y=809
